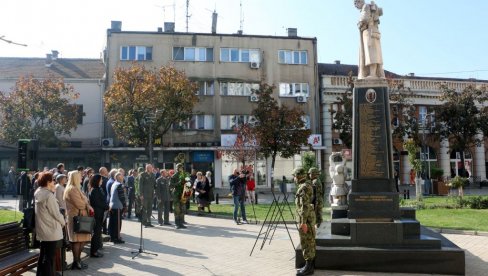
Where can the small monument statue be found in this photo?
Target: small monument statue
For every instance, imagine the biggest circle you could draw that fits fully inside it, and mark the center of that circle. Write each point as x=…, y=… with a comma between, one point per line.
x=370, y=57
x=338, y=193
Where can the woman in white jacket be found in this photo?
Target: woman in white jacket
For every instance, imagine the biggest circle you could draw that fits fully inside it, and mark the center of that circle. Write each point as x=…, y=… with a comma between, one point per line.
x=49, y=223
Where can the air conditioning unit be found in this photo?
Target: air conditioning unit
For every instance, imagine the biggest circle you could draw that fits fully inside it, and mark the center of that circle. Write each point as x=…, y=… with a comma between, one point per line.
x=254, y=65
x=107, y=142
x=336, y=141
x=301, y=99
x=253, y=98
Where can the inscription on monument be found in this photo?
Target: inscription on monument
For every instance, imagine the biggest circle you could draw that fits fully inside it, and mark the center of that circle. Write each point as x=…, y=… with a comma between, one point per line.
x=374, y=198
x=372, y=163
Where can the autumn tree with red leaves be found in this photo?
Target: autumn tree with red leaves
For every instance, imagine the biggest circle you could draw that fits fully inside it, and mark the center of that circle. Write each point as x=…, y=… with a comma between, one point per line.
x=245, y=147
x=279, y=129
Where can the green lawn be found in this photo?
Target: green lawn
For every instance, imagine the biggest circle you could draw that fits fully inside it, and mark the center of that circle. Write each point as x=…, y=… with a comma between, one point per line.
x=428, y=201
x=261, y=210
x=465, y=219
x=10, y=216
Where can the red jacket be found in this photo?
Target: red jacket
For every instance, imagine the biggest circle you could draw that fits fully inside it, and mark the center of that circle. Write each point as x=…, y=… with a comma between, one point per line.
x=251, y=184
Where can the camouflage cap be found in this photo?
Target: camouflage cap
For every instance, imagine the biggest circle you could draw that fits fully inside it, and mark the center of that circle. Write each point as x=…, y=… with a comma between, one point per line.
x=140, y=169
x=313, y=170
x=299, y=171
x=179, y=165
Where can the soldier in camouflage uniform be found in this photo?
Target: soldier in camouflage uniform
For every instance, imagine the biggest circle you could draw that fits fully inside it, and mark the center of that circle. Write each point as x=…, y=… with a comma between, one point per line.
x=176, y=187
x=147, y=181
x=305, y=219
x=318, y=199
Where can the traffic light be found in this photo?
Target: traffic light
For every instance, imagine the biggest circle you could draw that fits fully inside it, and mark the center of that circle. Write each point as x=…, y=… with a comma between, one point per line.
x=27, y=155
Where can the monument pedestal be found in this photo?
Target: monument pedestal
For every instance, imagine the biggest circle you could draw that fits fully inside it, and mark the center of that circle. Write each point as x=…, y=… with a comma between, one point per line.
x=399, y=246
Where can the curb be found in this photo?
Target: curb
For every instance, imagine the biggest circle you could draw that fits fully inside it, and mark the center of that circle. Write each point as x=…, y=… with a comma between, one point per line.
x=459, y=232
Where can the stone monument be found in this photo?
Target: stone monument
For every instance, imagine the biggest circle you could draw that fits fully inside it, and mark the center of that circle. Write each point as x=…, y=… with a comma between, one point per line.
x=374, y=233
x=339, y=190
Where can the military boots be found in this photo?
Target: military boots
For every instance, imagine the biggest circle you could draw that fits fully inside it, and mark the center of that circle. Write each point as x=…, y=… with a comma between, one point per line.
x=307, y=269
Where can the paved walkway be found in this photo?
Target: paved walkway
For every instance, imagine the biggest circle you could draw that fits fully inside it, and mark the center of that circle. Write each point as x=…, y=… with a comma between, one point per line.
x=212, y=246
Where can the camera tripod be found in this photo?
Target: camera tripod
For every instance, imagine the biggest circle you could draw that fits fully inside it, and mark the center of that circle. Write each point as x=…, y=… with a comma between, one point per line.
x=141, y=243
x=276, y=209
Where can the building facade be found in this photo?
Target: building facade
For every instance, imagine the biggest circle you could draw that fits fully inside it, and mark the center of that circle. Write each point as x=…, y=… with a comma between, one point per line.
x=424, y=94
x=83, y=146
x=227, y=67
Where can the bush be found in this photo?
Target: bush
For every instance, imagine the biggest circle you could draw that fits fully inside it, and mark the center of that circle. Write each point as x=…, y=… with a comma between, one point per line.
x=458, y=182
x=436, y=173
x=475, y=202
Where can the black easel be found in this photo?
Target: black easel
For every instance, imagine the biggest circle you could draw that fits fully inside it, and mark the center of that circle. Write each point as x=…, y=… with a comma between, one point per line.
x=141, y=243
x=276, y=213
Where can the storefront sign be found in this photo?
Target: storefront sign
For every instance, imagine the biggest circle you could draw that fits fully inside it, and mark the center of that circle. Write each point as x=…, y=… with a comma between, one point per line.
x=203, y=156
x=315, y=140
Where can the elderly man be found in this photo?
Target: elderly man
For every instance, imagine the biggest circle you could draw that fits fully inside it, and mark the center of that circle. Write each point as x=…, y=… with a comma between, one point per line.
x=117, y=207
x=147, y=182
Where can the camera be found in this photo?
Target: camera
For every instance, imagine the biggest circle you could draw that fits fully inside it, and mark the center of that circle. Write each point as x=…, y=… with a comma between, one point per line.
x=244, y=172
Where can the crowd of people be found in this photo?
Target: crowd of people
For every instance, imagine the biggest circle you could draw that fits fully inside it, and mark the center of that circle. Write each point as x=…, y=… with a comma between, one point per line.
x=58, y=196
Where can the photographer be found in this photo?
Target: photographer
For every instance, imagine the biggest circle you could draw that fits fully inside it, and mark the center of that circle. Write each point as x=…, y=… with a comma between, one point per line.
x=238, y=186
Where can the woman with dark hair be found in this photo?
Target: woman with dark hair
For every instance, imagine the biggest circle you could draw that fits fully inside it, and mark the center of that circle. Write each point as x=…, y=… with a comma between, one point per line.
x=49, y=223
x=99, y=204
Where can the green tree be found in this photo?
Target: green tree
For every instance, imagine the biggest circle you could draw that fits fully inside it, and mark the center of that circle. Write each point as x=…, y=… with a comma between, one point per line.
x=343, y=115
x=462, y=116
x=279, y=129
x=412, y=148
x=38, y=108
x=163, y=96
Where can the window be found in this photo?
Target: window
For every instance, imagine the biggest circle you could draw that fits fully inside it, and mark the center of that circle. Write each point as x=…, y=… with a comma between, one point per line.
x=422, y=115
x=205, y=88
x=294, y=89
x=239, y=55
x=135, y=53
x=192, y=54
x=201, y=122
x=292, y=57
x=237, y=88
x=231, y=121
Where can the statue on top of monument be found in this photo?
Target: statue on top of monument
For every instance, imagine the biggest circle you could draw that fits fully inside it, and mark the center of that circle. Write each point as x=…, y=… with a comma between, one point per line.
x=370, y=57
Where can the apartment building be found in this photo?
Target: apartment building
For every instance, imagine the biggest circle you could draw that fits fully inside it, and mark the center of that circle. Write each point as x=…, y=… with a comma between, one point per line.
x=227, y=67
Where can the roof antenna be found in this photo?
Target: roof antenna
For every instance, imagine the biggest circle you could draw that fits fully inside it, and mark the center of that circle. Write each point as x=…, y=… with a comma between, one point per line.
x=241, y=22
x=187, y=15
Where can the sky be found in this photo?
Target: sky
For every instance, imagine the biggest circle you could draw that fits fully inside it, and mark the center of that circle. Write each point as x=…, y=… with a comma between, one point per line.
x=431, y=38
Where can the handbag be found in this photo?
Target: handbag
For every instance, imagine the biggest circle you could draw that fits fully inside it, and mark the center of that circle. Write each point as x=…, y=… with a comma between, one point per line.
x=83, y=224
x=29, y=221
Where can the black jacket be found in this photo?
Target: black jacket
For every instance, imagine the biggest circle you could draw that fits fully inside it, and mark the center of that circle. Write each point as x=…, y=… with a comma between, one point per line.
x=98, y=202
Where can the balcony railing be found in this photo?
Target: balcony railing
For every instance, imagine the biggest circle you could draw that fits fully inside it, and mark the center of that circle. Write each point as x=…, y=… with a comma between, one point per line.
x=413, y=84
